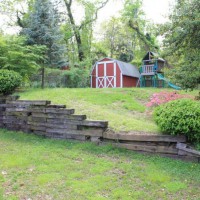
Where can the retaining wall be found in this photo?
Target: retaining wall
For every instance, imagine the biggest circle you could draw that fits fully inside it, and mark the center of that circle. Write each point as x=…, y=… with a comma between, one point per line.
x=56, y=121
x=44, y=118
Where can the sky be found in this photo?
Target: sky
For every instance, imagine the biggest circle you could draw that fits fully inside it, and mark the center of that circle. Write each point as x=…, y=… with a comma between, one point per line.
x=155, y=10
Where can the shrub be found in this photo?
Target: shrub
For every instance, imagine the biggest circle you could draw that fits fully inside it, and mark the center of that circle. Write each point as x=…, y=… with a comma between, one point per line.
x=178, y=117
x=164, y=97
x=9, y=81
x=77, y=78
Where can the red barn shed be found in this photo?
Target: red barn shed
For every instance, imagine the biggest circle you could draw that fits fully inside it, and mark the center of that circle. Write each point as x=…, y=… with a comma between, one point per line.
x=111, y=73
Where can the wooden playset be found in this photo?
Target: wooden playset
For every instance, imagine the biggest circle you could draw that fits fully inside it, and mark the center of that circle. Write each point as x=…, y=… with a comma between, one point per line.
x=152, y=74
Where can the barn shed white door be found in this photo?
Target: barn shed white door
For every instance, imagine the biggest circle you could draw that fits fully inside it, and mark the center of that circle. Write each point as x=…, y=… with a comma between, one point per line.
x=106, y=74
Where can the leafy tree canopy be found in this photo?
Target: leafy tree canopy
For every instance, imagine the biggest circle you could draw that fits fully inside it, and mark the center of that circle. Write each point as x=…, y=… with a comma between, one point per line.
x=182, y=42
x=15, y=55
x=134, y=17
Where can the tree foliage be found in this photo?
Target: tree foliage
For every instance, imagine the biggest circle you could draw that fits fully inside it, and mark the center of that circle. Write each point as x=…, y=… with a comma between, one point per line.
x=15, y=55
x=182, y=42
x=124, y=38
x=133, y=15
x=129, y=36
x=82, y=33
x=42, y=28
x=117, y=40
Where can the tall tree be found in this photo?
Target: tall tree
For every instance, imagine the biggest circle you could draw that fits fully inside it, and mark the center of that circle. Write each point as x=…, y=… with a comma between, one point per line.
x=91, y=13
x=182, y=42
x=117, y=39
x=133, y=15
x=43, y=28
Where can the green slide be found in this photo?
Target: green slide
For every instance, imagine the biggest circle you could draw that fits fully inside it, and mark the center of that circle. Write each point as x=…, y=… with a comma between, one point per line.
x=161, y=77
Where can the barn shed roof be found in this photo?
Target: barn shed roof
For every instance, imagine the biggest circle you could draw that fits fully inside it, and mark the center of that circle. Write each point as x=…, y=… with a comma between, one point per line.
x=127, y=69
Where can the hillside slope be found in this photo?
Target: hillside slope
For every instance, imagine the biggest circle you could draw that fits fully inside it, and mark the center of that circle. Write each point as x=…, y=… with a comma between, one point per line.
x=124, y=108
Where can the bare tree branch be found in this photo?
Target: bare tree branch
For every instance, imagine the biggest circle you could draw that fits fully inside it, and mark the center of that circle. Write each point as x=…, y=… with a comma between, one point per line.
x=19, y=20
x=68, y=3
x=95, y=17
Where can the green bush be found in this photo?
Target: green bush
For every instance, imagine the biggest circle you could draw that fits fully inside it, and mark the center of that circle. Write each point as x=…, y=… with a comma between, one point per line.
x=77, y=78
x=180, y=117
x=9, y=81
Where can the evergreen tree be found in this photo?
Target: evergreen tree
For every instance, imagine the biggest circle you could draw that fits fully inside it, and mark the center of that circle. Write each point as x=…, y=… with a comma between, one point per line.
x=43, y=29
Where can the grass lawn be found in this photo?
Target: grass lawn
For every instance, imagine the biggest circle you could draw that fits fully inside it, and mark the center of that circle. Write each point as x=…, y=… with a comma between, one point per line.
x=124, y=108
x=35, y=168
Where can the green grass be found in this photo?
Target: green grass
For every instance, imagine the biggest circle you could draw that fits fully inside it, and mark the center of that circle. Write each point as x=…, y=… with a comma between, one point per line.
x=124, y=108
x=33, y=167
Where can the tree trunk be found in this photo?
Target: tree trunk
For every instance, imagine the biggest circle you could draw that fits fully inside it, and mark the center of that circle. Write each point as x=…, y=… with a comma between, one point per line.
x=81, y=54
x=76, y=31
x=42, y=84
